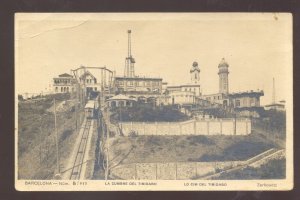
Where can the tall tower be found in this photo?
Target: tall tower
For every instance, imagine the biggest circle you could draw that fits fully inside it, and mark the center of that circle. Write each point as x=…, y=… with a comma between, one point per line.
x=195, y=73
x=273, y=93
x=129, y=61
x=223, y=77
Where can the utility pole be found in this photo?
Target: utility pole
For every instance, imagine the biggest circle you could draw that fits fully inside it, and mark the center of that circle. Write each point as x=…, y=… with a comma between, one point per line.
x=107, y=148
x=273, y=94
x=41, y=139
x=56, y=141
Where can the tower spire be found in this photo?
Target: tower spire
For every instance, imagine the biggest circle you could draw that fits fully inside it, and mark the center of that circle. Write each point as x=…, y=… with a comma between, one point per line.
x=129, y=43
x=273, y=93
x=129, y=61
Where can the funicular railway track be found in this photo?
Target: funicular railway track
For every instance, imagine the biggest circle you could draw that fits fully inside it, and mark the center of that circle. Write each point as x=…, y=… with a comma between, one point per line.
x=77, y=166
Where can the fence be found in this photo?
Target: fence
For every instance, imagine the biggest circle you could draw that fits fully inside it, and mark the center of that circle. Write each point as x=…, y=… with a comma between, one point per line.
x=170, y=171
x=188, y=170
x=191, y=127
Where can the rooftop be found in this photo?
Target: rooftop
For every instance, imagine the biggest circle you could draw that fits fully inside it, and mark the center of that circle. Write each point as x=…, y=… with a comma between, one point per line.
x=136, y=78
x=120, y=97
x=247, y=93
x=65, y=75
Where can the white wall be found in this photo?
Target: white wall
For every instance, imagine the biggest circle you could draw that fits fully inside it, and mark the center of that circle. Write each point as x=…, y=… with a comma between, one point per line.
x=192, y=127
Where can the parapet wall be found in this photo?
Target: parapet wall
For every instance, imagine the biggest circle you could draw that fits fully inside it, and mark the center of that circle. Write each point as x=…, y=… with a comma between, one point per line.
x=191, y=127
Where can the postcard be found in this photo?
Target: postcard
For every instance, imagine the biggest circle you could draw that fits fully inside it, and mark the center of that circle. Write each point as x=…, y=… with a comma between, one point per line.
x=153, y=101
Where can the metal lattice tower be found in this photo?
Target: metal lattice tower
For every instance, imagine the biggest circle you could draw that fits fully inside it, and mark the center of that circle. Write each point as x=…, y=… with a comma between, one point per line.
x=129, y=61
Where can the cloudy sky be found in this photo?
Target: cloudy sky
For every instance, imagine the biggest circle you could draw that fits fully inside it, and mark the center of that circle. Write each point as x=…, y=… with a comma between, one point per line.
x=257, y=48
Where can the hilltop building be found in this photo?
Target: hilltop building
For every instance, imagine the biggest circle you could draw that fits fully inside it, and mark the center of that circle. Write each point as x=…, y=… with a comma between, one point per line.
x=64, y=83
x=280, y=106
x=89, y=81
x=245, y=103
x=184, y=94
x=145, y=89
x=275, y=106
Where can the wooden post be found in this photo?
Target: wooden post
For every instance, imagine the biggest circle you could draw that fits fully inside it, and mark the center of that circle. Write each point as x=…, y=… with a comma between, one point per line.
x=221, y=126
x=235, y=124
x=156, y=171
x=135, y=169
x=195, y=131
x=246, y=127
x=56, y=139
x=207, y=123
x=180, y=127
x=175, y=170
x=196, y=169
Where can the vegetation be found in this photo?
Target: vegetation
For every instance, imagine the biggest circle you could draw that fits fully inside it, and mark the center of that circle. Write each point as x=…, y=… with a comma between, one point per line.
x=272, y=126
x=189, y=148
x=147, y=112
x=274, y=169
x=36, y=146
x=273, y=121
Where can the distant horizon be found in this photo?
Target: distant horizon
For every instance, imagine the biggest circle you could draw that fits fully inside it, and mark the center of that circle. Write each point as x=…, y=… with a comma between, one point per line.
x=164, y=46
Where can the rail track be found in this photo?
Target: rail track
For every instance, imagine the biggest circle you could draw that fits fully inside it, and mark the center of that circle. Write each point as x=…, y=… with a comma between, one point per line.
x=77, y=166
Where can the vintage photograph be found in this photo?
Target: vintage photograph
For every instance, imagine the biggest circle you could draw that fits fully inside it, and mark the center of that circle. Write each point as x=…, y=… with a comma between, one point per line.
x=156, y=101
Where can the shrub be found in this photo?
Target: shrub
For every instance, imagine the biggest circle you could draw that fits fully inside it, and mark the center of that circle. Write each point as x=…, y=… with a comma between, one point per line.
x=132, y=134
x=66, y=134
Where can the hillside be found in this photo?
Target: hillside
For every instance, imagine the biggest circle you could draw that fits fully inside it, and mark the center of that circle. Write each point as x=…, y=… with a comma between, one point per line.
x=36, y=136
x=186, y=148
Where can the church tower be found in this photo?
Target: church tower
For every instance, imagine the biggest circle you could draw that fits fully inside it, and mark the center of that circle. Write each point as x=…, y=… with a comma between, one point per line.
x=223, y=77
x=195, y=73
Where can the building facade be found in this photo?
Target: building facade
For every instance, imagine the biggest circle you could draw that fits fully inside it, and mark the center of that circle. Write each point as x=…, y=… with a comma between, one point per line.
x=89, y=81
x=138, y=84
x=246, y=99
x=187, y=93
x=64, y=83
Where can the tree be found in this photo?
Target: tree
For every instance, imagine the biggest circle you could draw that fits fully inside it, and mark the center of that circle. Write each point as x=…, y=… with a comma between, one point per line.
x=20, y=97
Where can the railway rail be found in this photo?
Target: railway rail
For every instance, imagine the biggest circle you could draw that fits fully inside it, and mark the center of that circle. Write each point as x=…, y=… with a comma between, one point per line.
x=77, y=166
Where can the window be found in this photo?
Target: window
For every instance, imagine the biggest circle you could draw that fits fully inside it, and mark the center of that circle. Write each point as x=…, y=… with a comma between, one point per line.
x=252, y=102
x=237, y=103
x=131, y=83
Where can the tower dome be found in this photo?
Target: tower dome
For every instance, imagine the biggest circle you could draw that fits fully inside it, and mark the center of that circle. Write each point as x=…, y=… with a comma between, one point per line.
x=223, y=63
x=195, y=73
x=195, y=67
x=223, y=77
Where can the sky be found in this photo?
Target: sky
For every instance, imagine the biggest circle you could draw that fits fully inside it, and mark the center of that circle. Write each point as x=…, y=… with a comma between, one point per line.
x=257, y=47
